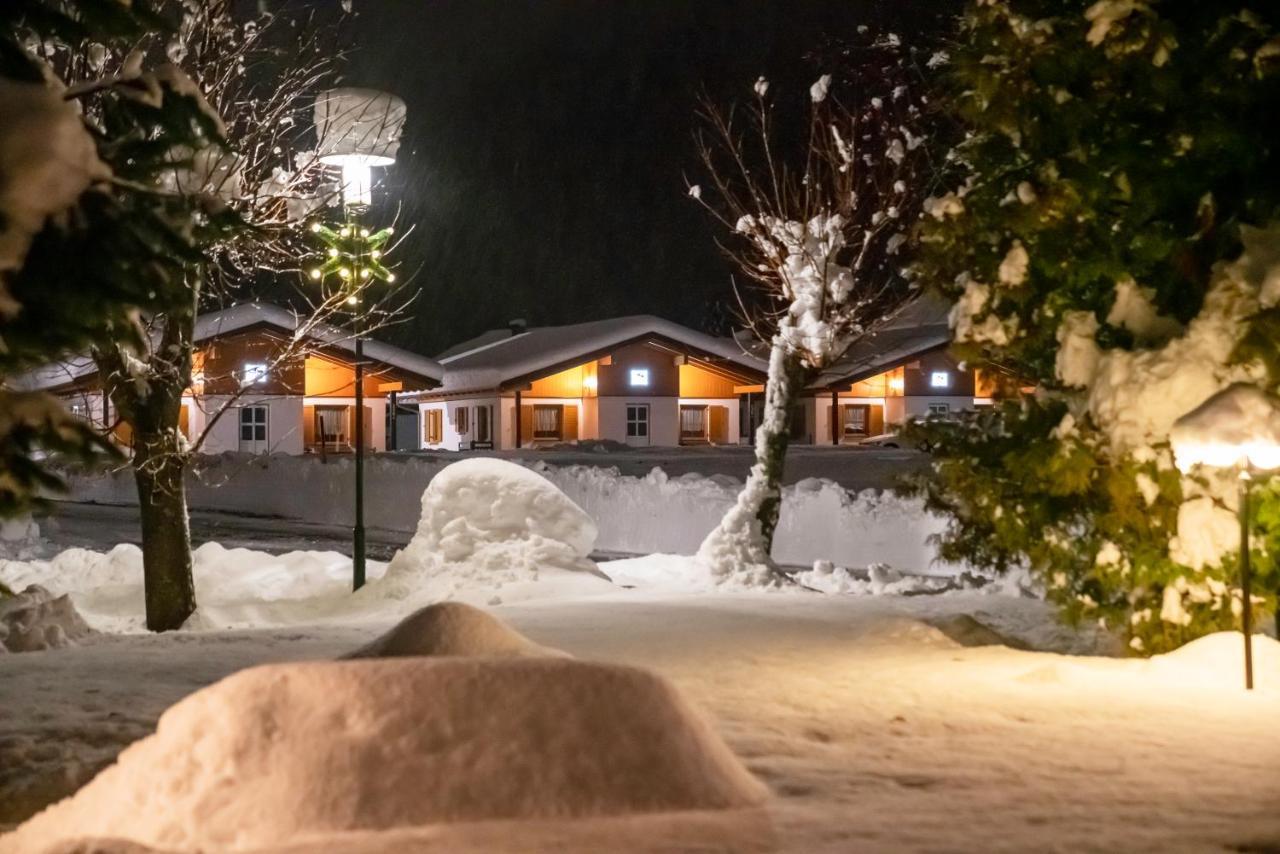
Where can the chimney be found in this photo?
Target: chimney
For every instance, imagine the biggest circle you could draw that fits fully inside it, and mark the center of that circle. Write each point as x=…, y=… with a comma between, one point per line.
x=517, y=327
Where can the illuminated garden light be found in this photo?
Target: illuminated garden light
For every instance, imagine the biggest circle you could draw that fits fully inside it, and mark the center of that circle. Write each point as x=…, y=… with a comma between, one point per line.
x=1236, y=429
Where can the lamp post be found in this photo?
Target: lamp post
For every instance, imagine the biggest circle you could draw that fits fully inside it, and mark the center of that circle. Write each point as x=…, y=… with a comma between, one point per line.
x=1237, y=429
x=357, y=130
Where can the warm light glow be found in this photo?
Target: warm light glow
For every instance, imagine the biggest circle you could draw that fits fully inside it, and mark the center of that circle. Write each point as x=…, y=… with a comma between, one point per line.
x=391, y=277
x=1222, y=455
x=375, y=254
x=364, y=232
x=895, y=383
x=315, y=274
x=333, y=252
x=344, y=273
x=352, y=300
x=346, y=232
x=315, y=226
x=589, y=382
x=364, y=273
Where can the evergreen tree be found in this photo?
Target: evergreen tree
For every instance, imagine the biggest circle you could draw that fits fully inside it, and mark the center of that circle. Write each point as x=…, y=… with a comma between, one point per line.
x=1108, y=249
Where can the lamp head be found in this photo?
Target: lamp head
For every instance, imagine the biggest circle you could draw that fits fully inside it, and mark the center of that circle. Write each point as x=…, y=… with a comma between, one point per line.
x=1238, y=427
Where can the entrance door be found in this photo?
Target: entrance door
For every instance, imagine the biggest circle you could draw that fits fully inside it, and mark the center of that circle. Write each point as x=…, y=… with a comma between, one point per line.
x=637, y=424
x=484, y=424
x=253, y=429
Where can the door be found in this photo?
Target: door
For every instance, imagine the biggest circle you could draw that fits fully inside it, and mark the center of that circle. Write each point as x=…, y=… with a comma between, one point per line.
x=693, y=425
x=637, y=424
x=253, y=429
x=331, y=433
x=484, y=424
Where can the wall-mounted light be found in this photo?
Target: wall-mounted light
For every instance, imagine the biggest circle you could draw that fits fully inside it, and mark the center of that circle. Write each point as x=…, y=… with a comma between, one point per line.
x=639, y=376
x=940, y=379
x=589, y=382
x=253, y=373
x=895, y=383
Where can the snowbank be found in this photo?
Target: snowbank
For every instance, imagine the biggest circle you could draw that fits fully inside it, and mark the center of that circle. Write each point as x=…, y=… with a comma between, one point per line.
x=289, y=753
x=35, y=620
x=639, y=515
x=451, y=628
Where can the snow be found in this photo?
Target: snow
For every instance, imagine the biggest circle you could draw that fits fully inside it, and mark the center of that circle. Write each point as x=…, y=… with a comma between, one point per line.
x=1135, y=311
x=1013, y=269
x=1076, y=362
x=1238, y=424
x=451, y=628
x=284, y=752
x=1206, y=532
x=972, y=304
x=487, y=523
x=1105, y=14
x=47, y=159
x=878, y=723
x=35, y=620
x=818, y=91
x=654, y=512
x=761, y=86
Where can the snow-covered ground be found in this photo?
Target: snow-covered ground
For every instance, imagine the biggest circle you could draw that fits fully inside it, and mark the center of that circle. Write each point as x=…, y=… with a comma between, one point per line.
x=960, y=720
x=873, y=729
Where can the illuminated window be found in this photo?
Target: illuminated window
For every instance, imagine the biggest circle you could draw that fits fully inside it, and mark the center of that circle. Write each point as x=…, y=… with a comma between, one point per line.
x=940, y=379
x=253, y=373
x=639, y=376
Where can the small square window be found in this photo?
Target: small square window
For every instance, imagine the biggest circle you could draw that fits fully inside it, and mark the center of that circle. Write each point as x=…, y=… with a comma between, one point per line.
x=639, y=376
x=940, y=379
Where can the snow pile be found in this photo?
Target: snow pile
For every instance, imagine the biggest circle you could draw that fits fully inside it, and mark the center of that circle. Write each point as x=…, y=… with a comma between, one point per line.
x=880, y=580
x=287, y=753
x=451, y=628
x=235, y=588
x=35, y=620
x=47, y=159
x=487, y=524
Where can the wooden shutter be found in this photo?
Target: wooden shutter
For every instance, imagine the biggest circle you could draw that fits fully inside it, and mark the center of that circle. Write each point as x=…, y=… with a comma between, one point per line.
x=569, y=423
x=308, y=426
x=875, y=423
x=526, y=425
x=719, y=424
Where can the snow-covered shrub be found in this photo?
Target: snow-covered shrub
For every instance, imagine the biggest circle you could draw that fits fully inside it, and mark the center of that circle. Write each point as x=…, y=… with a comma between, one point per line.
x=1114, y=246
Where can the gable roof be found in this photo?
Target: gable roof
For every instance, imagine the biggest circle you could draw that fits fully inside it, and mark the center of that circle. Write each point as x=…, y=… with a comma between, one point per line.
x=241, y=317
x=495, y=360
x=921, y=327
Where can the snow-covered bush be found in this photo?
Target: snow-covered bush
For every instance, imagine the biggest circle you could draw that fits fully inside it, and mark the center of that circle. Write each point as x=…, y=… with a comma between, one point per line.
x=1114, y=246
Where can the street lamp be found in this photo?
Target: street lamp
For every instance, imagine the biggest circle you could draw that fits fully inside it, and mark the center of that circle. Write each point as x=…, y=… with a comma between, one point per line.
x=1237, y=428
x=357, y=130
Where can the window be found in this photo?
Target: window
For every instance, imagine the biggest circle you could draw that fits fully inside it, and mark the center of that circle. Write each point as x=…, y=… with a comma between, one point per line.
x=940, y=379
x=856, y=416
x=547, y=420
x=939, y=410
x=331, y=426
x=640, y=376
x=462, y=419
x=693, y=422
x=253, y=429
x=433, y=427
x=638, y=421
x=253, y=373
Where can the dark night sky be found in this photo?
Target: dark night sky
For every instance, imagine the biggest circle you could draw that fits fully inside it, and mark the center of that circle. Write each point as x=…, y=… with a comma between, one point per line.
x=546, y=142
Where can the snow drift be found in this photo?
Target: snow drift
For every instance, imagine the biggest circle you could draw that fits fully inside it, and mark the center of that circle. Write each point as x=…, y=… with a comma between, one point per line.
x=451, y=628
x=291, y=753
x=487, y=523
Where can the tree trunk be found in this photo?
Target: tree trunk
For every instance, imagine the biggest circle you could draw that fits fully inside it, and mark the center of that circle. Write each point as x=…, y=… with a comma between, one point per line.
x=158, y=468
x=739, y=548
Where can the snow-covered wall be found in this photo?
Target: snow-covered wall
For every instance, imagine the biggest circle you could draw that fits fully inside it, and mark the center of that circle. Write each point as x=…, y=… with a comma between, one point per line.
x=820, y=519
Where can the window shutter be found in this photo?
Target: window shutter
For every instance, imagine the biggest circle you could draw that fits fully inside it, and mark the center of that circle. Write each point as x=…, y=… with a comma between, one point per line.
x=569, y=422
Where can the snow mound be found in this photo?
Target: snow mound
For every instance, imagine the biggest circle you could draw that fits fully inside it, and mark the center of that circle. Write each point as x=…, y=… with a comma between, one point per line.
x=486, y=523
x=289, y=752
x=451, y=628
x=1217, y=661
x=36, y=620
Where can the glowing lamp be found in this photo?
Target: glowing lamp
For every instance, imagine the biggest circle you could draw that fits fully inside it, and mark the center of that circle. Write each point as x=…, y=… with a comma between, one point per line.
x=358, y=129
x=1238, y=428
x=895, y=383
x=315, y=274
x=590, y=382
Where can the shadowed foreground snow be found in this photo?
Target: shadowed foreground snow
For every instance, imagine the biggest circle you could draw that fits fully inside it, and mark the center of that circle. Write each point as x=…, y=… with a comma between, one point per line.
x=872, y=728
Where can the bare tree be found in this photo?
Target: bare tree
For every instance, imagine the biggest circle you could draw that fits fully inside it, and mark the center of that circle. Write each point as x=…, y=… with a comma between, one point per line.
x=815, y=221
x=257, y=77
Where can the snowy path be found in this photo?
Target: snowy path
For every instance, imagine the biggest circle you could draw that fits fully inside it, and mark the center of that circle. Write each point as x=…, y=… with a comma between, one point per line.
x=874, y=731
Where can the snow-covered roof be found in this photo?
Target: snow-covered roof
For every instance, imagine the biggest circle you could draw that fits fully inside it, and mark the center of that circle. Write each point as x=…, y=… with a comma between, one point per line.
x=919, y=328
x=496, y=359
x=227, y=321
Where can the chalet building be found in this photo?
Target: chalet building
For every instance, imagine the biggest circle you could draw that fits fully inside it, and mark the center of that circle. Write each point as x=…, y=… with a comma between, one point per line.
x=901, y=372
x=636, y=380
x=305, y=404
